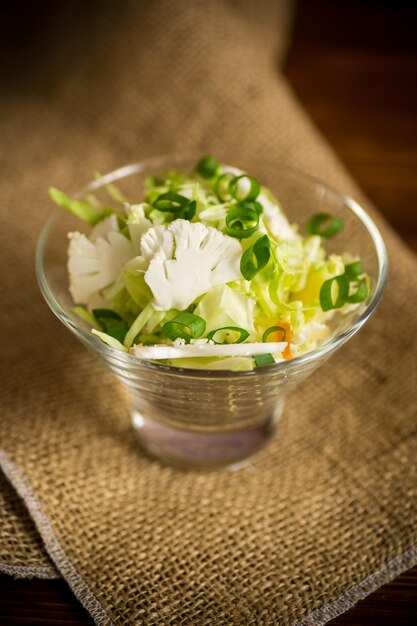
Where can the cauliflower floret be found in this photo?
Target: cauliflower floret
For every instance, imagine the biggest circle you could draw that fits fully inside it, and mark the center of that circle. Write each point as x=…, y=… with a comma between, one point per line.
x=137, y=223
x=93, y=265
x=187, y=259
x=104, y=227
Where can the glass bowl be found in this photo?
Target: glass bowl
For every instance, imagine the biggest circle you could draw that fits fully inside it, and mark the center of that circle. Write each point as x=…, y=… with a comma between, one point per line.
x=208, y=418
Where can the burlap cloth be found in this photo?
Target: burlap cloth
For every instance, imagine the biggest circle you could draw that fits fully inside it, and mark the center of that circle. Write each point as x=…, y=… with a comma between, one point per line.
x=322, y=516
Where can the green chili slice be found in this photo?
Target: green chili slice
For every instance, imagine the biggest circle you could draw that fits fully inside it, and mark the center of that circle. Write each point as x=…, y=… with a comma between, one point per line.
x=243, y=334
x=255, y=258
x=184, y=326
x=241, y=222
x=237, y=185
x=325, y=225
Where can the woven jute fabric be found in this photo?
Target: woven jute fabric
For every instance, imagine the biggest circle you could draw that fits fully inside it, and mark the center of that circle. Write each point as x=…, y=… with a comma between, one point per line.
x=323, y=515
x=22, y=553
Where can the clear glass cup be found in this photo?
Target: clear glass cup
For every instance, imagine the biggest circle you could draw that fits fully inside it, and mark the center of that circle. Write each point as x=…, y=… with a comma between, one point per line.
x=203, y=418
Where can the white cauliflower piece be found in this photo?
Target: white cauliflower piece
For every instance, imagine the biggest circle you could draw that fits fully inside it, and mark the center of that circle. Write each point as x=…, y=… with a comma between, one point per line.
x=137, y=223
x=187, y=259
x=104, y=227
x=93, y=265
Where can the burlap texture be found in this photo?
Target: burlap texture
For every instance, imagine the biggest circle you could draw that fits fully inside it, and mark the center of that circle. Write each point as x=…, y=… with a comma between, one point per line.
x=323, y=515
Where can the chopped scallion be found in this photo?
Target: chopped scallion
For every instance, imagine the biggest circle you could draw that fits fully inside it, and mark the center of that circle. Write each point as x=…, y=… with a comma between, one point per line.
x=255, y=258
x=324, y=225
x=243, y=334
x=171, y=201
x=241, y=222
x=263, y=359
x=244, y=187
x=207, y=167
x=184, y=326
x=274, y=329
x=328, y=300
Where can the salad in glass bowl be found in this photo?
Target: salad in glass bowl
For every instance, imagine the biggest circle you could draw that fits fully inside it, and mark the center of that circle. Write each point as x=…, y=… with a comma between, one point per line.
x=211, y=291
x=205, y=270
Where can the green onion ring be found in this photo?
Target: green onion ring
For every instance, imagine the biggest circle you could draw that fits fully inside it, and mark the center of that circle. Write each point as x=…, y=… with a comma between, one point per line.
x=241, y=216
x=251, y=204
x=184, y=326
x=259, y=252
x=171, y=201
x=360, y=294
x=253, y=192
x=207, y=167
x=263, y=359
x=221, y=186
x=243, y=334
x=324, y=224
x=353, y=270
x=326, y=300
x=189, y=211
x=273, y=329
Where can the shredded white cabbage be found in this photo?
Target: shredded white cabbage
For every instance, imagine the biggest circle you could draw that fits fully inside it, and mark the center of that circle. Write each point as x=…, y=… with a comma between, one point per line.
x=180, y=278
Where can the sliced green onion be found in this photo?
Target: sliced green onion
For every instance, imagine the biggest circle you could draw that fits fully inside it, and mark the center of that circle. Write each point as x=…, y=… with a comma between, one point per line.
x=326, y=296
x=274, y=329
x=353, y=270
x=243, y=334
x=171, y=201
x=263, y=359
x=207, y=167
x=325, y=225
x=360, y=294
x=184, y=326
x=255, y=257
x=190, y=210
x=112, y=323
x=251, y=204
x=236, y=191
x=241, y=222
x=221, y=186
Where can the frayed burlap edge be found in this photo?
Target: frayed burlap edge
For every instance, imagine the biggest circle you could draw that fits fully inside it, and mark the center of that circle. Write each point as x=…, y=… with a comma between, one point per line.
x=391, y=570
x=52, y=544
x=29, y=571
x=84, y=594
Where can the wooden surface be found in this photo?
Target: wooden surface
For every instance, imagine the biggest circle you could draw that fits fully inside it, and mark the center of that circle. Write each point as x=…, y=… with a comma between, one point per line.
x=354, y=67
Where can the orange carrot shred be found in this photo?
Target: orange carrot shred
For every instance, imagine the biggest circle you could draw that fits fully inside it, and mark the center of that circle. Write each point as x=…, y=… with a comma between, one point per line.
x=277, y=336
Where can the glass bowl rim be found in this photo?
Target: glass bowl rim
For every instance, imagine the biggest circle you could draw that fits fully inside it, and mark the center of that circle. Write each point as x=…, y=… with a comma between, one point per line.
x=129, y=359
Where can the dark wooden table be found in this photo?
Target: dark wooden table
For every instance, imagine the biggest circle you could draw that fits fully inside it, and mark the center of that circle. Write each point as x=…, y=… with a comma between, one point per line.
x=354, y=67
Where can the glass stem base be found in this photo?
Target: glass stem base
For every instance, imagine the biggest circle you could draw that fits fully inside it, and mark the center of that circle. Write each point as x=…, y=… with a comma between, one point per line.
x=203, y=448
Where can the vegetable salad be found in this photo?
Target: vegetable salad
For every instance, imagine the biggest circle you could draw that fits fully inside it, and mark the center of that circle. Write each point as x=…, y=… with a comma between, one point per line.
x=205, y=271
